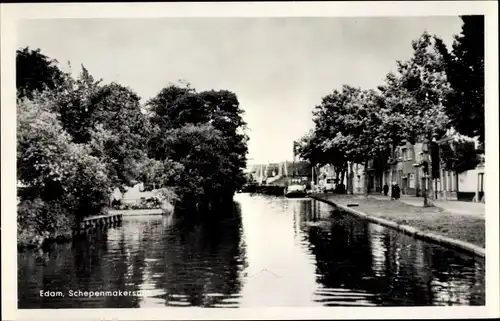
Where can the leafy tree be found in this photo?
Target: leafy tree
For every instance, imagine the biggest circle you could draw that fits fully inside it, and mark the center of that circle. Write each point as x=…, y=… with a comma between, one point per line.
x=75, y=106
x=417, y=94
x=44, y=163
x=465, y=72
x=329, y=119
x=35, y=72
x=459, y=155
x=347, y=128
x=309, y=148
x=122, y=128
x=52, y=168
x=225, y=115
x=177, y=106
x=361, y=136
x=173, y=107
x=203, y=154
x=159, y=174
x=190, y=129
x=109, y=118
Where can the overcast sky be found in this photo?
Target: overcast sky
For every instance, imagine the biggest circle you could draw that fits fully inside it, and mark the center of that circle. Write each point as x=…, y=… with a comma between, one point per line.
x=278, y=67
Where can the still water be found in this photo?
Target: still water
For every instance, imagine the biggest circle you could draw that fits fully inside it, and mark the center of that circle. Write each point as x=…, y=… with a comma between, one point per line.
x=266, y=251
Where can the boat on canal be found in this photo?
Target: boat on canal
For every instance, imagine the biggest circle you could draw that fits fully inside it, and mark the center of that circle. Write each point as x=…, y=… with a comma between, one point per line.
x=295, y=191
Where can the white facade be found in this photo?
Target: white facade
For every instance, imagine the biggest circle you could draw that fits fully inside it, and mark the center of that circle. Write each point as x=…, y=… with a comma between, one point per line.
x=358, y=181
x=328, y=171
x=468, y=181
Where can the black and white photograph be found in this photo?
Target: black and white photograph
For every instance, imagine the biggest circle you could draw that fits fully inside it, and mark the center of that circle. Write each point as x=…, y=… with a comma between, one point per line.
x=313, y=161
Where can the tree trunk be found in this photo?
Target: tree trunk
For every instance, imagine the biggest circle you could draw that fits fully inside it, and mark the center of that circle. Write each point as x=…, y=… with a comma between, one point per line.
x=435, y=188
x=350, y=179
x=391, y=169
x=427, y=190
x=424, y=191
x=366, y=178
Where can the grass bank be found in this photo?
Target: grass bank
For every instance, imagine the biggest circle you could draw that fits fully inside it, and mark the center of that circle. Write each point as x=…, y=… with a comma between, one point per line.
x=464, y=228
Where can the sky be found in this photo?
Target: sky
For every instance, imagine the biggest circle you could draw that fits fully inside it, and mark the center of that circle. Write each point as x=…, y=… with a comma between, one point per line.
x=279, y=68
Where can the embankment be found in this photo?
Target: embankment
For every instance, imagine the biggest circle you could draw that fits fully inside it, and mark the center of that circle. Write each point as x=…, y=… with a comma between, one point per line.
x=460, y=232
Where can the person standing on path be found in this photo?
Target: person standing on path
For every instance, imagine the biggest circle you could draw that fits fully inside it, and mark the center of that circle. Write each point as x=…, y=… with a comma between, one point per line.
x=397, y=191
x=386, y=189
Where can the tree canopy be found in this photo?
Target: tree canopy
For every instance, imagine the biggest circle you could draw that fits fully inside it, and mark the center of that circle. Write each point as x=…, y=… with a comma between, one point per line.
x=413, y=105
x=35, y=72
x=78, y=139
x=465, y=72
x=203, y=132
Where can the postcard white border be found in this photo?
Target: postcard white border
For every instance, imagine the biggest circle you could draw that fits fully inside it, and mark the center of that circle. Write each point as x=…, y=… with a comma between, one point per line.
x=11, y=14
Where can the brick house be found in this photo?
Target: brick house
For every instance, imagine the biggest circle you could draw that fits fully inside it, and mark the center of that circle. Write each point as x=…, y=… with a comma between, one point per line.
x=467, y=186
x=403, y=171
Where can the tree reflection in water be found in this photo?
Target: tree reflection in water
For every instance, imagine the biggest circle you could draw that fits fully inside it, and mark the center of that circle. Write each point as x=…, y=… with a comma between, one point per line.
x=197, y=259
x=182, y=261
x=356, y=255
x=90, y=263
x=202, y=259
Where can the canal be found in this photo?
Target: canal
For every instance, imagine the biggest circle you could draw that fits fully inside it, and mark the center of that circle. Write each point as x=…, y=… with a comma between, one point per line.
x=264, y=251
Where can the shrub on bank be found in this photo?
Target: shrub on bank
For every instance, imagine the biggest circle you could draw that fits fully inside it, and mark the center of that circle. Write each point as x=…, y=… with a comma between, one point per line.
x=38, y=221
x=62, y=181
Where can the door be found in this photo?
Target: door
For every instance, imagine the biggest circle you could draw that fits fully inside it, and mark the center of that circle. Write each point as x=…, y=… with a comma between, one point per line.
x=404, y=185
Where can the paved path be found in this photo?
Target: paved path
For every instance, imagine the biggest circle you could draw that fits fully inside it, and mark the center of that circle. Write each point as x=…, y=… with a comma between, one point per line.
x=455, y=207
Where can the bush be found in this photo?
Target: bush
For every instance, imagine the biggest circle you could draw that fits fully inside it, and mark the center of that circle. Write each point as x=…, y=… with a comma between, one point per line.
x=145, y=203
x=116, y=204
x=64, y=182
x=38, y=221
x=152, y=202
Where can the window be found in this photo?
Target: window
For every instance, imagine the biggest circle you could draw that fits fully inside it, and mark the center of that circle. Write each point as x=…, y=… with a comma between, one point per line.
x=408, y=154
x=411, y=180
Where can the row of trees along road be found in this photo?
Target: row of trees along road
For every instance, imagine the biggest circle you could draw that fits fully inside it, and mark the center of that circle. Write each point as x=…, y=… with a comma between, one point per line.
x=431, y=92
x=78, y=139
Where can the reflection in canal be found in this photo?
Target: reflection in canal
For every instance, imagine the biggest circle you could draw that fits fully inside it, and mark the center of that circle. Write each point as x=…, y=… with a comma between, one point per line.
x=263, y=251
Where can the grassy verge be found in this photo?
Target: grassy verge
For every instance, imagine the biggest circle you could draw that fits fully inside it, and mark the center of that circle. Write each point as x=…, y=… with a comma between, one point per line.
x=429, y=219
